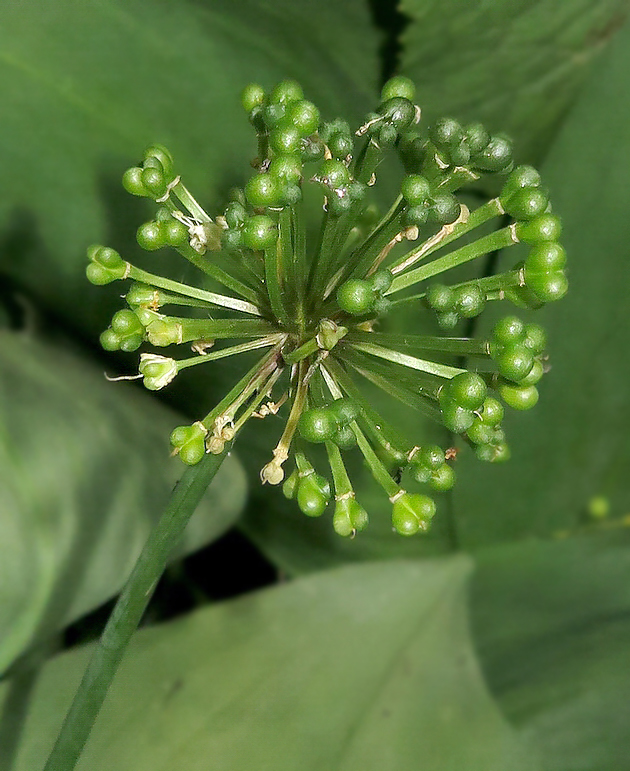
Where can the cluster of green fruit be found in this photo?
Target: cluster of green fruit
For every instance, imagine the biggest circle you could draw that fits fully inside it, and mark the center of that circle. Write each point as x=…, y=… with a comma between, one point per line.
x=319, y=311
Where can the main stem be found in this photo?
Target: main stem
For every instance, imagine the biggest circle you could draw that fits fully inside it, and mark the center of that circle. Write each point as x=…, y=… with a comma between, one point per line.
x=128, y=612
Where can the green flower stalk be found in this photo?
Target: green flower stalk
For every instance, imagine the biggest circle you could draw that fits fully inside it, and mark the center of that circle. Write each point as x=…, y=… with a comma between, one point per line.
x=316, y=310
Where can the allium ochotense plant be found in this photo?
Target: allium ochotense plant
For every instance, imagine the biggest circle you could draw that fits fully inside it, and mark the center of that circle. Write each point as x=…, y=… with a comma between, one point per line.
x=317, y=309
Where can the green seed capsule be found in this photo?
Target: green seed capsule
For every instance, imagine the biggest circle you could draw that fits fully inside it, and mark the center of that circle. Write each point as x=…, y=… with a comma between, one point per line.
x=175, y=233
x=333, y=174
x=456, y=418
x=545, y=227
x=284, y=139
x=509, y=329
x=521, y=177
x=492, y=412
x=349, y=517
x=398, y=86
x=534, y=375
x=515, y=362
x=304, y=116
x=252, y=96
x=446, y=132
x=150, y=236
x=527, y=203
x=412, y=512
x=313, y=495
x=345, y=438
x=154, y=181
x=432, y=457
x=398, y=112
x=480, y=432
x=442, y=479
x=109, y=340
x=519, y=398
x=355, y=296
x=468, y=390
x=496, y=156
x=477, y=137
x=459, y=155
x=441, y=298
x=287, y=168
x=290, y=486
x=160, y=154
x=415, y=189
x=132, y=182
x=548, y=256
x=260, y=232
x=469, y=300
x=444, y=209
x=340, y=145
x=285, y=92
x=547, y=287
x=344, y=411
x=317, y=425
x=417, y=215
x=189, y=441
x=535, y=338
x=263, y=190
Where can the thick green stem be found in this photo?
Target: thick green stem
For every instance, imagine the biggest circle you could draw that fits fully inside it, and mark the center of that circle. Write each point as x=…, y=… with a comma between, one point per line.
x=128, y=612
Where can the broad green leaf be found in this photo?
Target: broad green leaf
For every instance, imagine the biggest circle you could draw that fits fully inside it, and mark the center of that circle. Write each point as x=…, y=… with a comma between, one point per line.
x=552, y=623
x=573, y=446
x=359, y=668
x=516, y=66
x=84, y=473
x=84, y=88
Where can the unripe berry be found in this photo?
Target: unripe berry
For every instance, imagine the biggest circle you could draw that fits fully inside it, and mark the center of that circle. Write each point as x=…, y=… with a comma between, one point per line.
x=509, y=329
x=468, y=390
x=259, y=232
x=496, y=156
x=441, y=298
x=333, y=174
x=304, y=116
x=355, y=296
x=263, y=190
x=175, y=233
x=286, y=91
x=317, y=425
x=520, y=177
x=154, y=181
x=469, y=300
x=252, y=96
x=398, y=86
x=547, y=286
x=132, y=182
x=313, y=494
x=415, y=189
x=412, y=512
x=545, y=227
x=519, y=398
x=515, y=362
x=442, y=479
x=548, y=256
x=284, y=139
x=444, y=209
x=349, y=517
x=477, y=137
x=398, y=111
x=527, y=203
x=446, y=132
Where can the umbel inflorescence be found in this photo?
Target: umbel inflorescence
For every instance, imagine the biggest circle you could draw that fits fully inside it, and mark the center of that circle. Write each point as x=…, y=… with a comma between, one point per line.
x=315, y=311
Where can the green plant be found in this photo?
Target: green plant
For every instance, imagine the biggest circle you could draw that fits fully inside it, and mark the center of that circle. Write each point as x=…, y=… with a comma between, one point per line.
x=377, y=659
